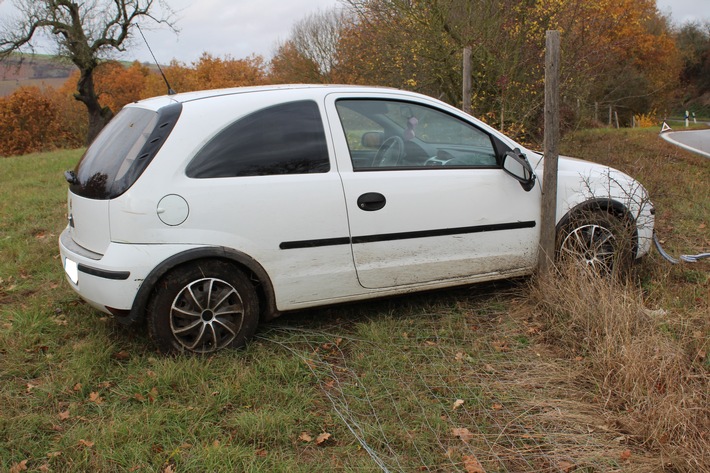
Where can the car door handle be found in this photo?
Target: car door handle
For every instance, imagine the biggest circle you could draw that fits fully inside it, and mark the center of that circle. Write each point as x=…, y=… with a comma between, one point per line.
x=371, y=201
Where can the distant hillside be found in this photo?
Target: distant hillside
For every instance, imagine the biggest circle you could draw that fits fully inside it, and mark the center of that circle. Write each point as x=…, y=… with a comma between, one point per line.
x=38, y=70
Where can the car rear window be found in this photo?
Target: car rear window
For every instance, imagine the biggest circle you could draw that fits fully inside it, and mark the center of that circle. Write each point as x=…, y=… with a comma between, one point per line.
x=122, y=151
x=282, y=139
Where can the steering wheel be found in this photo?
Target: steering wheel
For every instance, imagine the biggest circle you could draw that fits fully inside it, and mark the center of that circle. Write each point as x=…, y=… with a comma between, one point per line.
x=390, y=152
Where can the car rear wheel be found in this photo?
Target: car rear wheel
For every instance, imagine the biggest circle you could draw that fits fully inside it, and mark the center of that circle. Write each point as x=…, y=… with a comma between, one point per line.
x=203, y=307
x=599, y=241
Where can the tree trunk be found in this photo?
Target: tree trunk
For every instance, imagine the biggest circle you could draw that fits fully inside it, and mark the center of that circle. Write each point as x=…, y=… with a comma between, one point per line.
x=98, y=116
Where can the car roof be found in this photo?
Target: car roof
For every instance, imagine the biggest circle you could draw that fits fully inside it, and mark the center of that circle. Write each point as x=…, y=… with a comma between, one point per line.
x=157, y=102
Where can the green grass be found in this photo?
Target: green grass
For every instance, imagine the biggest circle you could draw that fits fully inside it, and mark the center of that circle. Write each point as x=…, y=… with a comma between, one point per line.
x=80, y=393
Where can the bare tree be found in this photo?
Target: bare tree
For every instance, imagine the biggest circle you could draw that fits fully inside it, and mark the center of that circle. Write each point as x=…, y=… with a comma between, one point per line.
x=85, y=33
x=316, y=38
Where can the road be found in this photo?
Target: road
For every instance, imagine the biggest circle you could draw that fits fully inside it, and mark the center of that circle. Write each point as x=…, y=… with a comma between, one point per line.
x=695, y=141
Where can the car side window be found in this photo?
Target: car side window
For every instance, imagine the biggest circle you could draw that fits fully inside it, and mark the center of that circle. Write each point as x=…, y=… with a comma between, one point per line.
x=394, y=134
x=283, y=139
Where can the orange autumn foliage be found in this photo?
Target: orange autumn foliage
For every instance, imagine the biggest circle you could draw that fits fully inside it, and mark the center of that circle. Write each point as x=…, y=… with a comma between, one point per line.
x=31, y=121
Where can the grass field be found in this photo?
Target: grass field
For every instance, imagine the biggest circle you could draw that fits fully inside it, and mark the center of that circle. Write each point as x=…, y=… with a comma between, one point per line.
x=519, y=376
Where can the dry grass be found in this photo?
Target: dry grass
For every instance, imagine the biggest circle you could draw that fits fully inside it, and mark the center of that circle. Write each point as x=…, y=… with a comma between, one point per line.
x=647, y=373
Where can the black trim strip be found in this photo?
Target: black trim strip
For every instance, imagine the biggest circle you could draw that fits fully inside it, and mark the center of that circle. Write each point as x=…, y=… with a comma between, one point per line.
x=443, y=232
x=290, y=245
x=103, y=273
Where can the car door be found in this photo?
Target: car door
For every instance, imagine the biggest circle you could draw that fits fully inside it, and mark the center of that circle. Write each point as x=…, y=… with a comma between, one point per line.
x=430, y=202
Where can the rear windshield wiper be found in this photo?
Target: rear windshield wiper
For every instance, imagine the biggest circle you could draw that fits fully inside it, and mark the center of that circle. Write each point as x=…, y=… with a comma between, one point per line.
x=71, y=177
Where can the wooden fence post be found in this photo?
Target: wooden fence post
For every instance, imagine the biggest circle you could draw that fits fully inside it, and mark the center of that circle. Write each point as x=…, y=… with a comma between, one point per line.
x=552, y=137
x=467, y=80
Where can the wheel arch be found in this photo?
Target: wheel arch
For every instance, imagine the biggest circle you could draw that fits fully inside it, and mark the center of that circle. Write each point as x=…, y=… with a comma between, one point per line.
x=254, y=271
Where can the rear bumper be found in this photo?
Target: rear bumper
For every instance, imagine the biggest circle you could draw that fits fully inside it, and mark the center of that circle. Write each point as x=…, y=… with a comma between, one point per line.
x=111, y=280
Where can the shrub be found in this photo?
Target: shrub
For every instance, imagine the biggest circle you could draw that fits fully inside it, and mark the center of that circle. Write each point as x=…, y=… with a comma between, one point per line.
x=27, y=122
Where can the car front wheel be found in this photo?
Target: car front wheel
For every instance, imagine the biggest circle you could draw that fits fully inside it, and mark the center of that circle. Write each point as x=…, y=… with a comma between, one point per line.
x=203, y=307
x=598, y=241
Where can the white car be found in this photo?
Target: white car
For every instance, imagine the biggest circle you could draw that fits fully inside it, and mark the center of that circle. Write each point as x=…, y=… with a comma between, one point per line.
x=204, y=213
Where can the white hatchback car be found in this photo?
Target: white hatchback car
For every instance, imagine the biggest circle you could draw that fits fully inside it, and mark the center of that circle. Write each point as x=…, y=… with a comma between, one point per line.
x=206, y=212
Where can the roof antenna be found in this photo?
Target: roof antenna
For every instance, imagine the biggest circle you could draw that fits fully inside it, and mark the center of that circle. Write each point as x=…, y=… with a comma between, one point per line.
x=170, y=90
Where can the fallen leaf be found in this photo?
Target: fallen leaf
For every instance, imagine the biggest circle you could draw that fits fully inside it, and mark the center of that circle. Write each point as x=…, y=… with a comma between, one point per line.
x=86, y=443
x=122, y=355
x=322, y=438
x=53, y=454
x=305, y=437
x=44, y=468
x=168, y=469
x=64, y=415
x=458, y=403
x=216, y=443
x=497, y=407
x=565, y=466
x=472, y=465
x=77, y=387
x=153, y=394
x=139, y=397
x=94, y=397
x=260, y=452
x=18, y=467
x=625, y=455
x=462, y=433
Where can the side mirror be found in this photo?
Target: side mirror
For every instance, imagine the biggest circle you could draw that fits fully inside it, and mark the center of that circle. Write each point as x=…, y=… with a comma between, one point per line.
x=372, y=139
x=516, y=164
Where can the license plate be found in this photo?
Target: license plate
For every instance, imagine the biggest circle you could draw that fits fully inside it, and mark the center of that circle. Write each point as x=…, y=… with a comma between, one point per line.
x=72, y=270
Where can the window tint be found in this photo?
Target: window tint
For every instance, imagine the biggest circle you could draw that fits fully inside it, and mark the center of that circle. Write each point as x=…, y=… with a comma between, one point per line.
x=122, y=151
x=283, y=139
x=411, y=136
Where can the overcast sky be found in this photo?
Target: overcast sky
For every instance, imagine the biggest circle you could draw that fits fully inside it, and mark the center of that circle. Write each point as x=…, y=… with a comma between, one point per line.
x=239, y=28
